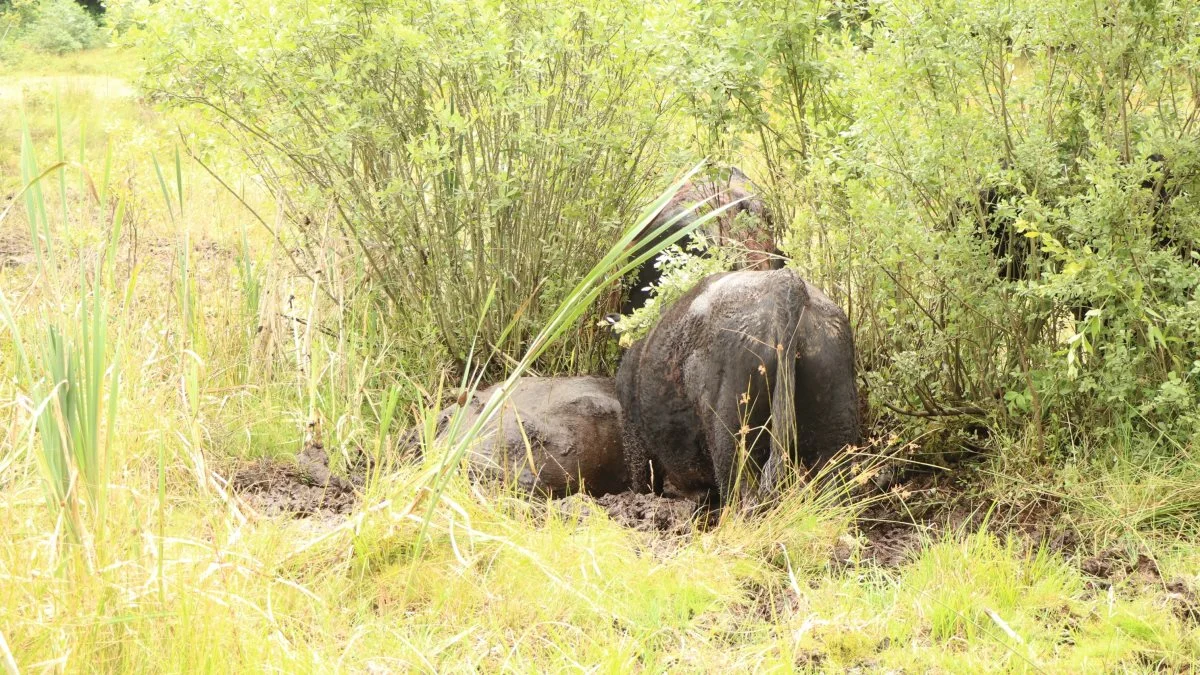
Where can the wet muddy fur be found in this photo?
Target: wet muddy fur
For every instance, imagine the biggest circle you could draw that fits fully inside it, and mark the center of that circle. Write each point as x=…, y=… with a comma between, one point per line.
x=707, y=382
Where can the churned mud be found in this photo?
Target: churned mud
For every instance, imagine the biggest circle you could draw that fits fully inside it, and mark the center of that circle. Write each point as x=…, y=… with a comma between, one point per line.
x=641, y=512
x=302, y=488
x=891, y=530
x=15, y=249
x=1117, y=564
x=918, y=508
x=1137, y=572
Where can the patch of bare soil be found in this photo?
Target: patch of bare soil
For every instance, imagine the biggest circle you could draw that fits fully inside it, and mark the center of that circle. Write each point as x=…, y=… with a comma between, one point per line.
x=1139, y=573
x=163, y=252
x=15, y=249
x=642, y=512
x=927, y=505
x=302, y=489
x=1183, y=600
x=15, y=88
x=1116, y=564
x=895, y=526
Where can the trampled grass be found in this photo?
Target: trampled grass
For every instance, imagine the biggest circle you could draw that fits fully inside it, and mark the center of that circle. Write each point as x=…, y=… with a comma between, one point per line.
x=218, y=350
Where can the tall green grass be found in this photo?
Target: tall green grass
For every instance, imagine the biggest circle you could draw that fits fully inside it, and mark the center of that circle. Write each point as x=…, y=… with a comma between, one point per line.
x=73, y=381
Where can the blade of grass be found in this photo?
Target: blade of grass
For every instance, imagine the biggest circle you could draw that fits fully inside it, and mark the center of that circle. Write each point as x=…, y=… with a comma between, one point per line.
x=35, y=206
x=179, y=179
x=162, y=522
x=114, y=238
x=162, y=183
x=18, y=346
x=586, y=292
x=27, y=186
x=62, y=159
x=10, y=663
x=82, y=150
x=107, y=176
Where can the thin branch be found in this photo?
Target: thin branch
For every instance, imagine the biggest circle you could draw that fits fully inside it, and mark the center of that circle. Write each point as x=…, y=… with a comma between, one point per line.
x=295, y=263
x=304, y=322
x=940, y=412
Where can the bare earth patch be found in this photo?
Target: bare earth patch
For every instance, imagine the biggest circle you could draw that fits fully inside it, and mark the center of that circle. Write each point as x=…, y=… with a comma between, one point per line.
x=303, y=488
x=641, y=512
x=15, y=249
x=928, y=505
x=15, y=88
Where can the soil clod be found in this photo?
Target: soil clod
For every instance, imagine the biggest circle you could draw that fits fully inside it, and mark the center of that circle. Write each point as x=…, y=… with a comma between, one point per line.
x=302, y=489
x=15, y=249
x=1115, y=564
x=641, y=512
x=1183, y=601
x=926, y=505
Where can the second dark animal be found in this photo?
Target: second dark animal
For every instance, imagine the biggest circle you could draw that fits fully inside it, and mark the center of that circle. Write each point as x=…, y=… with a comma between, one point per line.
x=747, y=224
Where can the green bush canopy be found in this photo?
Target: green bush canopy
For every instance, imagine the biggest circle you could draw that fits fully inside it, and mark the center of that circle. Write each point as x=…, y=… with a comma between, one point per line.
x=1003, y=195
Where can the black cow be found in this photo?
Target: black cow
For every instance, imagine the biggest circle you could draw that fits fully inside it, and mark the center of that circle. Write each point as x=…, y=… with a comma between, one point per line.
x=747, y=224
x=746, y=372
x=1011, y=249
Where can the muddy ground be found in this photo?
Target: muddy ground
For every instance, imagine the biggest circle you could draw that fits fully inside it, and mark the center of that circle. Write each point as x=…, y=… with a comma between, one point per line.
x=303, y=488
x=925, y=505
x=642, y=512
x=890, y=530
x=15, y=249
x=159, y=253
x=306, y=488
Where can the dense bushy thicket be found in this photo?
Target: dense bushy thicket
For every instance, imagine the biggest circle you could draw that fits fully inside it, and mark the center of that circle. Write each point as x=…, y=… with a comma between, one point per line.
x=1003, y=195
x=1055, y=144
x=474, y=150
x=14, y=16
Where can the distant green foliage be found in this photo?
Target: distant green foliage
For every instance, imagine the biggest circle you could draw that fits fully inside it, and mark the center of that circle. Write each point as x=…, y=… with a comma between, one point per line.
x=13, y=19
x=61, y=26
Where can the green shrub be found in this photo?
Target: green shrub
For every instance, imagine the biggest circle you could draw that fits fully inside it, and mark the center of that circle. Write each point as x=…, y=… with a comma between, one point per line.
x=881, y=129
x=121, y=16
x=472, y=149
x=62, y=26
x=682, y=267
x=13, y=19
x=963, y=98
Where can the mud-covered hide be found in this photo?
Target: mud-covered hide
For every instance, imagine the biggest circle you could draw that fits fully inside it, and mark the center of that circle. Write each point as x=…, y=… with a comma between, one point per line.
x=750, y=370
x=573, y=429
x=753, y=231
